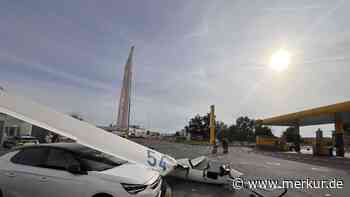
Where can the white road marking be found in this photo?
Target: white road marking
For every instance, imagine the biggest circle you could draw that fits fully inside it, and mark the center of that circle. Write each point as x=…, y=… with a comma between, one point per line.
x=273, y=163
x=320, y=169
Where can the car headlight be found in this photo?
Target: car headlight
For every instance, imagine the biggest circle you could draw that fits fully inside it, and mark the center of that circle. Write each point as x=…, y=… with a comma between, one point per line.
x=133, y=188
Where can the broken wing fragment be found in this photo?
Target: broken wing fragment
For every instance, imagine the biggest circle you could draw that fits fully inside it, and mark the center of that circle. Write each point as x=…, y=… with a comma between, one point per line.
x=203, y=170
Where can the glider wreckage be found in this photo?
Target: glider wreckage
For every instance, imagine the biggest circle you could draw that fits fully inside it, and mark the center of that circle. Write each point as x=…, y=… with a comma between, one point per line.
x=93, y=137
x=199, y=169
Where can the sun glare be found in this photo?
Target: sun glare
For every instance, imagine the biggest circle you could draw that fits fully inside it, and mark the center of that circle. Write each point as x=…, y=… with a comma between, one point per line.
x=280, y=60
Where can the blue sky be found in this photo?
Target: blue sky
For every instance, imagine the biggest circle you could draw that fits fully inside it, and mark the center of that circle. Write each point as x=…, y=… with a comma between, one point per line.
x=189, y=54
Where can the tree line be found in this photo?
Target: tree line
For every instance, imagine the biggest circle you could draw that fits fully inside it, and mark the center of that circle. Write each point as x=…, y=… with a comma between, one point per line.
x=244, y=129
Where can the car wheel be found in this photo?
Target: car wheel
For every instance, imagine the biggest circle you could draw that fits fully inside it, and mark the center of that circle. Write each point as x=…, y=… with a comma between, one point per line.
x=1, y=193
x=99, y=195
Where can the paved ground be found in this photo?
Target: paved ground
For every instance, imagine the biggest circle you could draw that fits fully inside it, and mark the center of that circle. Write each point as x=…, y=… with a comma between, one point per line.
x=330, y=162
x=2, y=151
x=256, y=164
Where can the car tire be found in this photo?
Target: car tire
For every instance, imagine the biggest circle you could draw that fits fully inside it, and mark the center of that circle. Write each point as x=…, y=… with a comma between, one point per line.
x=99, y=195
x=1, y=193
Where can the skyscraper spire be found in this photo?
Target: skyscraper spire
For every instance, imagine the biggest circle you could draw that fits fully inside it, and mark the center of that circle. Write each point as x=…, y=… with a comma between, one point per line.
x=125, y=95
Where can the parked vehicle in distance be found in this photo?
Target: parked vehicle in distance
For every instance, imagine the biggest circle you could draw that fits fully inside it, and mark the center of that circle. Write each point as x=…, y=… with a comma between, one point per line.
x=70, y=169
x=15, y=141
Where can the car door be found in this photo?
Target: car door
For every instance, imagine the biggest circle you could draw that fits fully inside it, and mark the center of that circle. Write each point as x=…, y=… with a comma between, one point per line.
x=22, y=175
x=56, y=179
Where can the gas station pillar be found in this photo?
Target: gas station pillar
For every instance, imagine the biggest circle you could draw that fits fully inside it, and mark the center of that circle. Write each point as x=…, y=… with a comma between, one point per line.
x=1, y=132
x=339, y=136
x=297, y=142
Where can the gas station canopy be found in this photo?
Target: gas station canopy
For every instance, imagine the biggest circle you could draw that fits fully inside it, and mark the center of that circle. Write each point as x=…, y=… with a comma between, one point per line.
x=322, y=115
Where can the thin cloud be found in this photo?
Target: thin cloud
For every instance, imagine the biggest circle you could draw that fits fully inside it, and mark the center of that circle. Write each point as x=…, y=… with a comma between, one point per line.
x=325, y=60
x=294, y=9
x=64, y=75
x=202, y=30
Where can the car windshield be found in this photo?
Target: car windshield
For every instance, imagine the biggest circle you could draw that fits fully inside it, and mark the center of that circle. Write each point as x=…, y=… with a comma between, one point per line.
x=95, y=160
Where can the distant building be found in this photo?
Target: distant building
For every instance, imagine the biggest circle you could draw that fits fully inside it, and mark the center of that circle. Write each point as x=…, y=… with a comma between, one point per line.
x=137, y=131
x=10, y=126
x=133, y=131
x=182, y=133
x=15, y=127
x=40, y=133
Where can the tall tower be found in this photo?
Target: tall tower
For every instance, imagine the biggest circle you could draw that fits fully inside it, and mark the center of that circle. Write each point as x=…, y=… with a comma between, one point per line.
x=125, y=95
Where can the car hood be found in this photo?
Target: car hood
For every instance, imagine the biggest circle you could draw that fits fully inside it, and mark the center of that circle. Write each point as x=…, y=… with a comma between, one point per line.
x=131, y=173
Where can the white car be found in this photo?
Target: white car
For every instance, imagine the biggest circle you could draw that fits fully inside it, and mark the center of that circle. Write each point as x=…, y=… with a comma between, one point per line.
x=73, y=170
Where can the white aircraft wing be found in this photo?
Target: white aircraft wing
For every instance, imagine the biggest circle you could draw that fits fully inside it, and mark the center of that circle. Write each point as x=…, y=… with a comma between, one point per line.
x=84, y=133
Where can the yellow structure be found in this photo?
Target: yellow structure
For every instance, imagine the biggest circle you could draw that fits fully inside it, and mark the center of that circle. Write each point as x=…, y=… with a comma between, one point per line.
x=271, y=143
x=321, y=115
x=266, y=141
x=337, y=114
x=212, y=125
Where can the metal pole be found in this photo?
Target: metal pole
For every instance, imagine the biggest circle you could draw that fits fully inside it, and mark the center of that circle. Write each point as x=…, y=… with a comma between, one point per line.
x=339, y=135
x=212, y=125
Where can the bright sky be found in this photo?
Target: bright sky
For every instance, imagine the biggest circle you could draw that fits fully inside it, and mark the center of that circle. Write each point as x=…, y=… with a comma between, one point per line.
x=70, y=54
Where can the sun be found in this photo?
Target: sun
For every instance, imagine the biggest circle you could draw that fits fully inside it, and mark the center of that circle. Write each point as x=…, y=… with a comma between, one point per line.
x=280, y=60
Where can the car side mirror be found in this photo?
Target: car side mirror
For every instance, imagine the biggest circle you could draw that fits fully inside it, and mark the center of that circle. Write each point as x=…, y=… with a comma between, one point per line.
x=75, y=169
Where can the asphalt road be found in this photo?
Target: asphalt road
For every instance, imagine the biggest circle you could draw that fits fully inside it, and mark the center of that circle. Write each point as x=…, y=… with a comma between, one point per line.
x=2, y=151
x=256, y=165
